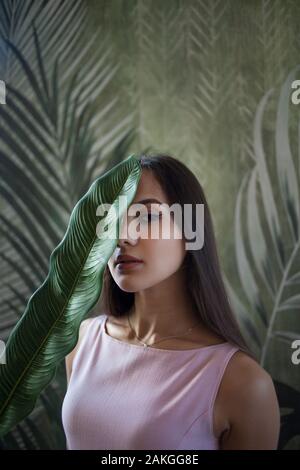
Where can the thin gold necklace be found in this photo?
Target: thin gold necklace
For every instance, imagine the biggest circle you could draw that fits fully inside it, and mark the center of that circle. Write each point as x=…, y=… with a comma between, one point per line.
x=166, y=337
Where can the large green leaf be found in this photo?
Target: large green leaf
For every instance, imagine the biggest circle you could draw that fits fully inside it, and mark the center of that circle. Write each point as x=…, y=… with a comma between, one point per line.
x=48, y=330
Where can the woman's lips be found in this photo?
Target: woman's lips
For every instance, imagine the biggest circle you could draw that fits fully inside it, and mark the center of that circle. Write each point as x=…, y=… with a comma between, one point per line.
x=123, y=266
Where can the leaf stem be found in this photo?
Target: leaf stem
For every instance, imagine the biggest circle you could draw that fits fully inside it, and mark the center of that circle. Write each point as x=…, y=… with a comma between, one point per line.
x=277, y=301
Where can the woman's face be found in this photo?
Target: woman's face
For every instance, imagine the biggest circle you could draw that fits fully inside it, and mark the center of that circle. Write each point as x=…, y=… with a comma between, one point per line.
x=162, y=256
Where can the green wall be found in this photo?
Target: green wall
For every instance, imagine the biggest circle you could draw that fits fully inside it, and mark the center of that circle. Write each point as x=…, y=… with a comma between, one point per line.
x=208, y=82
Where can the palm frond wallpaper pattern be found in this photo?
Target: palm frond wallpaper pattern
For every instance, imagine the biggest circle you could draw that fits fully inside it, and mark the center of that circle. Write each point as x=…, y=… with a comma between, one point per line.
x=89, y=82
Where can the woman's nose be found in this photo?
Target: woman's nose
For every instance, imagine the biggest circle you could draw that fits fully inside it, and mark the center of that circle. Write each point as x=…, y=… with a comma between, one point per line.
x=127, y=234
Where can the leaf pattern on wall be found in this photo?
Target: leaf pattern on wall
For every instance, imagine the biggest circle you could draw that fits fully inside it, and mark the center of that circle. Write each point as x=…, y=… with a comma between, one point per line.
x=267, y=241
x=50, y=144
x=199, y=67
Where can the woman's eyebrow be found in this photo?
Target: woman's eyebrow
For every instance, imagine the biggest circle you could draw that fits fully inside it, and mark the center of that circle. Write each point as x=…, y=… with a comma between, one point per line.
x=146, y=201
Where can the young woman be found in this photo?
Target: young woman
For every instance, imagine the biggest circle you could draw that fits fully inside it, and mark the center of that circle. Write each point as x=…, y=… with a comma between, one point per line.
x=166, y=366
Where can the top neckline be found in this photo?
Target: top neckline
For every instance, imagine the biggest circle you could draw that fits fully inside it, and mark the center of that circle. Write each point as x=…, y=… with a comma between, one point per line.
x=149, y=348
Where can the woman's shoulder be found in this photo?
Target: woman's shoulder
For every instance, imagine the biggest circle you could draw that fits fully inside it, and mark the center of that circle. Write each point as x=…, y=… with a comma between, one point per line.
x=247, y=400
x=244, y=372
x=70, y=356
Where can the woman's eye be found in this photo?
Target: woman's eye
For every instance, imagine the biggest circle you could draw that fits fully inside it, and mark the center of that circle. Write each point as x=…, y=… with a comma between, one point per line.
x=150, y=217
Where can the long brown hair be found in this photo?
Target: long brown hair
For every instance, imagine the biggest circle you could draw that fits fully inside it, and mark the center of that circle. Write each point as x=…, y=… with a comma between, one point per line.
x=203, y=274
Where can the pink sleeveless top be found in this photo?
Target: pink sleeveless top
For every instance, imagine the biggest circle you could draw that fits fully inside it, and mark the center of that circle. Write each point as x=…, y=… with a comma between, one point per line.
x=124, y=396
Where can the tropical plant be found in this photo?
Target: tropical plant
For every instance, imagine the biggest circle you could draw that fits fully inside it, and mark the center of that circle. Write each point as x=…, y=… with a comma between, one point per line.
x=49, y=156
x=48, y=330
x=267, y=250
